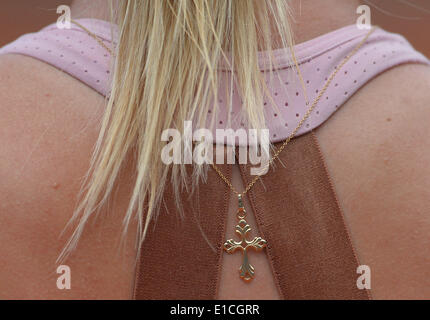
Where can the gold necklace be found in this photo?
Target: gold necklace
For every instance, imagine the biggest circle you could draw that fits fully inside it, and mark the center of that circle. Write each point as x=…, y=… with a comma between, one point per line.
x=92, y=35
x=246, y=270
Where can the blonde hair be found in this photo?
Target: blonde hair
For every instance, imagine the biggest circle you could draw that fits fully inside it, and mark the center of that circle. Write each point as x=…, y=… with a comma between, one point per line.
x=168, y=57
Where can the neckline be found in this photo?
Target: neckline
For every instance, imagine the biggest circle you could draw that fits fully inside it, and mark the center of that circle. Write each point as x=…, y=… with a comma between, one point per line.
x=310, y=49
x=304, y=51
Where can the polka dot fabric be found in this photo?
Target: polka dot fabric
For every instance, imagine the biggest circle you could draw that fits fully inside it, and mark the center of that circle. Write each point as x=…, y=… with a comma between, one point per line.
x=81, y=56
x=72, y=51
x=286, y=104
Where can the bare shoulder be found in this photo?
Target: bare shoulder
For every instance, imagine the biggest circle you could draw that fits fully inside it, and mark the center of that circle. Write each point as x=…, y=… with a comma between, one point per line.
x=377, y=150
x=48, y=126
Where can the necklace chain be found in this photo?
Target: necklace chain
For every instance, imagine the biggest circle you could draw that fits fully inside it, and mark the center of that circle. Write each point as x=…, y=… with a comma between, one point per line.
x=293, y=133
x=308, y=112
x=91, y=34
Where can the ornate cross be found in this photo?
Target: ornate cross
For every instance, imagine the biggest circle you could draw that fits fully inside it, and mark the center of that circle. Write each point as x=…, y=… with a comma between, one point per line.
x=246, y=270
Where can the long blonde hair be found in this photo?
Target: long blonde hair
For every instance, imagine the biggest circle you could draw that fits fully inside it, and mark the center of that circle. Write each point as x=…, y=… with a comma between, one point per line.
x=168, y=56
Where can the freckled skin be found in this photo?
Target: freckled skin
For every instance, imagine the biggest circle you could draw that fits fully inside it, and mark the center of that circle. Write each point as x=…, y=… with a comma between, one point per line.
x=381, y=174
x=46, y=149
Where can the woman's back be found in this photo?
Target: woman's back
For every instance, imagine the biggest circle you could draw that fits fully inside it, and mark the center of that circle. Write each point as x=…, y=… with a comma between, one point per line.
x=45, y=156
x=378, y=168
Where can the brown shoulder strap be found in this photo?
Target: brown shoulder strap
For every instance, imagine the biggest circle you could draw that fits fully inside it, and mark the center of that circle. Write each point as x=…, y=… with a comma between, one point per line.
x=297, y=213
x=180, y=258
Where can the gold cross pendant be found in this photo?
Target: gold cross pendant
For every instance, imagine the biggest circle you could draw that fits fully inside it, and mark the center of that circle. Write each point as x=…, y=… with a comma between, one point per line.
x=246, y=270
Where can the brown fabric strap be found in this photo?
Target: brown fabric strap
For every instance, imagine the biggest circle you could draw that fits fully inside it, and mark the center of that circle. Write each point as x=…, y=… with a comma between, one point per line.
x=297, y=213
x=180, y=258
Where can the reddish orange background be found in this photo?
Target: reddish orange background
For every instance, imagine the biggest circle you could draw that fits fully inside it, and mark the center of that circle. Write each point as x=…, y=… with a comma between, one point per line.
x=408, y=17
x=18, y=17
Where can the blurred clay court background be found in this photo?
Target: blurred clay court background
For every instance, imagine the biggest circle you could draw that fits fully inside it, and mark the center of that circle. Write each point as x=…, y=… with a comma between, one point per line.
x=408, y=17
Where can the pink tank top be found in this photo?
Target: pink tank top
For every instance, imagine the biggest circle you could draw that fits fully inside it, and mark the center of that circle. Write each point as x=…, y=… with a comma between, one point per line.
x=81, y=56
